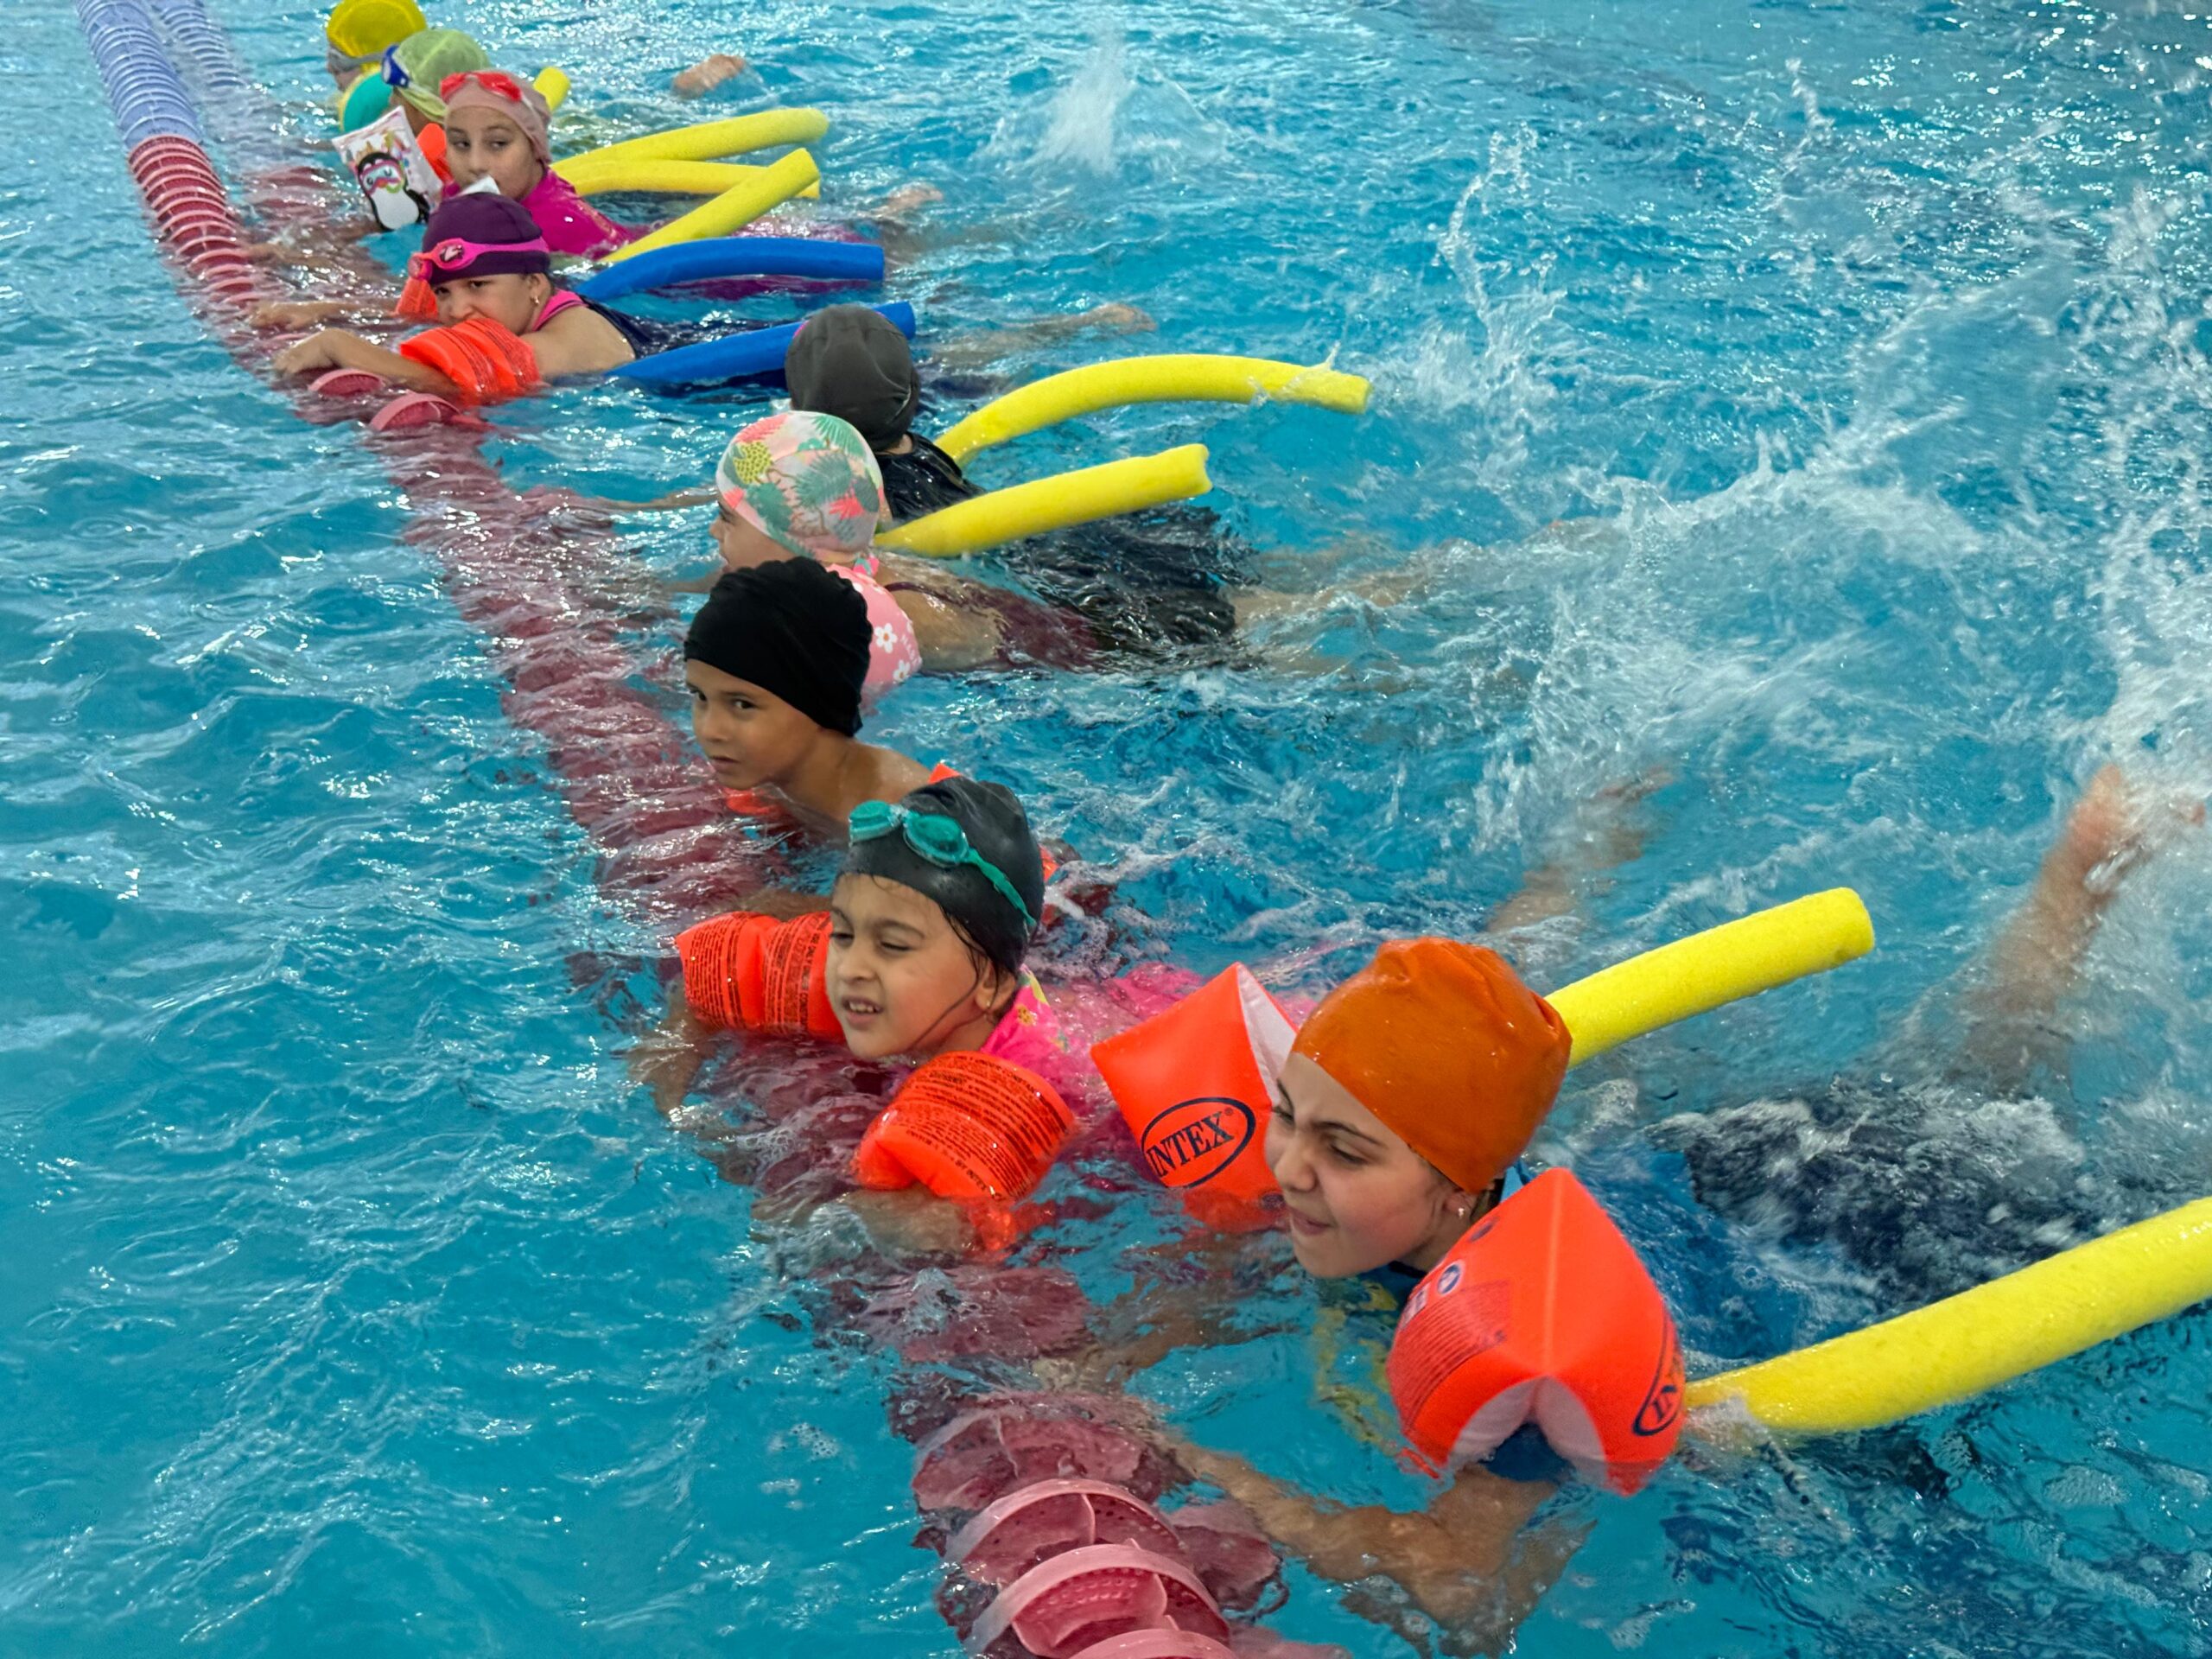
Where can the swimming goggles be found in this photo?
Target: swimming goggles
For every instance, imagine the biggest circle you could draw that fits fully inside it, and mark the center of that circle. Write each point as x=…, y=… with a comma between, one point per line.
x=935, y=837
x=453, y=255
x=395, y=74
x=498, y=82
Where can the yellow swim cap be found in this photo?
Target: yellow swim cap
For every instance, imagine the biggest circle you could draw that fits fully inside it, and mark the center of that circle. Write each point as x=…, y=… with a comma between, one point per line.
x=362, y=28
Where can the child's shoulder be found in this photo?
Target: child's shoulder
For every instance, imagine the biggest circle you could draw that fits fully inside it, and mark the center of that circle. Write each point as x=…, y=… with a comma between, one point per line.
x=575, y=339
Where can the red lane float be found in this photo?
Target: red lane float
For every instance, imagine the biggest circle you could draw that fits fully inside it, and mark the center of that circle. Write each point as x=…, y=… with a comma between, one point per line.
x=1013, y=1534
x=1076, y=1599
x=1542, y=1313
x=1066, y=1553
x=1159, y=1644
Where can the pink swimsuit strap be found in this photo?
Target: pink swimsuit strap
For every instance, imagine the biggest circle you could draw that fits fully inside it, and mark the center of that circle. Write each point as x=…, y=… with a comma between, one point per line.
x=562, y=301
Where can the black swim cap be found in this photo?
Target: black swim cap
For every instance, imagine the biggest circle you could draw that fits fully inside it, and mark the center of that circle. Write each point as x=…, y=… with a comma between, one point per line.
x=850, y=361
x=999, y=830
x=792, y=629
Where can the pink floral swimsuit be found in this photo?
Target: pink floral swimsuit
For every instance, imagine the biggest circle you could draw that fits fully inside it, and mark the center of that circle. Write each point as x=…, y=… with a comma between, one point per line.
x=1028, y=1036
x=893, y=653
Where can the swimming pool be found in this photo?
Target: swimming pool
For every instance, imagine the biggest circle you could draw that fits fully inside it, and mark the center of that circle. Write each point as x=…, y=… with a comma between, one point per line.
x=357, y=1302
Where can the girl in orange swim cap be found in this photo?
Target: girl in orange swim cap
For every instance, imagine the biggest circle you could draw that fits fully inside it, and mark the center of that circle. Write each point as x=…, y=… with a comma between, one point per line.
x=1405, y=1099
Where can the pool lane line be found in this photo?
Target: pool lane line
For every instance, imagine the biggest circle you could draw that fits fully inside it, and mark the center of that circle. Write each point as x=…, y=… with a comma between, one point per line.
x=629, y=779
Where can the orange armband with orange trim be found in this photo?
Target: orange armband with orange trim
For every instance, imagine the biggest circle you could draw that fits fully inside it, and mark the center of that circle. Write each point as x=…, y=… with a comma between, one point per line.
x=966, y=1126
x=482, y=358
x=743, y=972
x=432, y=140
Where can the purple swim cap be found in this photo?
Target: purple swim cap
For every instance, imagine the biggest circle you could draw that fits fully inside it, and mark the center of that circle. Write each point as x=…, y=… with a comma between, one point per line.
x=480, y=233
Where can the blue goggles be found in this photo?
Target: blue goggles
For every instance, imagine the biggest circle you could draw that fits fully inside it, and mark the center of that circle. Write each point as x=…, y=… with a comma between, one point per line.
x=936, y=837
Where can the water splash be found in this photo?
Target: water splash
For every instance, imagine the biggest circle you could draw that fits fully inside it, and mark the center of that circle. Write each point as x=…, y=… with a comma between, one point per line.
x=1081, y=132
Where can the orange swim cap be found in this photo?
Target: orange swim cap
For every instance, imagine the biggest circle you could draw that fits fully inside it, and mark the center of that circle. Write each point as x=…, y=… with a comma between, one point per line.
x=1443, y=1043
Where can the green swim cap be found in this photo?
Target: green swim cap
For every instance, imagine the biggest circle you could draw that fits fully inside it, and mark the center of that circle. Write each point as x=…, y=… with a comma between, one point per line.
x=425, y=58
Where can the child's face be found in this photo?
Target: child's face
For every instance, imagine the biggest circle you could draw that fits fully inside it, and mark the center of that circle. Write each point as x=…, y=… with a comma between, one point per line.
x=742, y=545
x=1358, y=1197
x=901, y=980
x=510, y=299
x=485, y=145
x=753, y=737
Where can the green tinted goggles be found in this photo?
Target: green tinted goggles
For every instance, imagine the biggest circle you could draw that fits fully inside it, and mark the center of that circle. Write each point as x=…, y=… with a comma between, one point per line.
x=935, y=837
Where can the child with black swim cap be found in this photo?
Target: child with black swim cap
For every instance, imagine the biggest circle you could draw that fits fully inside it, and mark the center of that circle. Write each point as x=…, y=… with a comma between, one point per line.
x=920, y=960
x=775, y=661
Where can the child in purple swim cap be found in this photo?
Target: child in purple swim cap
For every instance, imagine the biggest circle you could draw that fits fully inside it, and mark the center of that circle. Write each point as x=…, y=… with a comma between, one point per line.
x=505, y=326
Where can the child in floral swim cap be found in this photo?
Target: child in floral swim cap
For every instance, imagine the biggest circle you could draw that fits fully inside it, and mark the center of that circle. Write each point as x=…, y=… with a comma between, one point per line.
x=806, y=484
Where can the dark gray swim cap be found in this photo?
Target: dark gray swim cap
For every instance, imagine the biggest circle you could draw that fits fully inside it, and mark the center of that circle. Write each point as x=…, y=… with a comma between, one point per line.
x=851, y=361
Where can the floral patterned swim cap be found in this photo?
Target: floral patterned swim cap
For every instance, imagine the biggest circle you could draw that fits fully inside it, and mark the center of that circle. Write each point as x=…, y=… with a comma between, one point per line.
x=805, y=480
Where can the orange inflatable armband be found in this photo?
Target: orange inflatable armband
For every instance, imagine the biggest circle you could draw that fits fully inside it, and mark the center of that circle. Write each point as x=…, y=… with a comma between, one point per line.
x=484, y=361
x=1542, y=1313
x=966, y=1126
x=418, y=302
x=432, y=141
x=1196, y=1084
x=752, y=973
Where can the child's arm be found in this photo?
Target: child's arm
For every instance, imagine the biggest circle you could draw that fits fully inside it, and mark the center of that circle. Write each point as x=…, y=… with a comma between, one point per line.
x=707, y=73
x=973, y=351
x=1464, y=1560
x=334, y=348
x=300, y=314
x=667, y=1059
x=950, y=640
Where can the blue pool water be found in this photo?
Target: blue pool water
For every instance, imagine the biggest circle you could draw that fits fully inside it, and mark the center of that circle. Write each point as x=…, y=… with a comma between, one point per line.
x=1808, y=407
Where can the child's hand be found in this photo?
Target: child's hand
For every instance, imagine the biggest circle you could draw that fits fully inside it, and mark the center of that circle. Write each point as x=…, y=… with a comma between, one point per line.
x=296, y=313
x=318, y=352
x=707, y=73
x=912, y=1222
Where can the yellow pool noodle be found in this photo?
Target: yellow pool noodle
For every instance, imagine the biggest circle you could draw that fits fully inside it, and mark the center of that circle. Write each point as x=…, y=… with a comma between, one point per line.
x=710, y=141
x=1189, y=377
x=1959, y=1346
x=1737, y=959
x=669, y=178
x=552, y=86
x=734, y=209
x=1054, y=503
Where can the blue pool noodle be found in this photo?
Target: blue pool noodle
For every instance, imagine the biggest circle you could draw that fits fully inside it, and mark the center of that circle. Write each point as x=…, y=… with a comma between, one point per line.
x=738, y=256
x=756, y=355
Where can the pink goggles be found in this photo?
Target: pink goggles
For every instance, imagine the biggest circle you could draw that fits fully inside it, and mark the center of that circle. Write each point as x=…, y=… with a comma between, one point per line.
x=454, y=257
